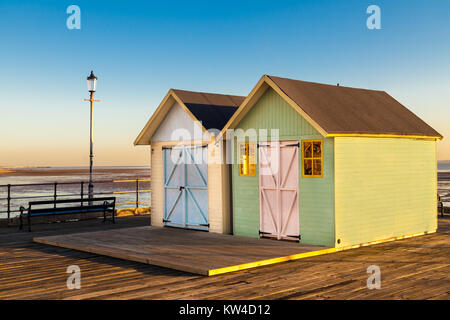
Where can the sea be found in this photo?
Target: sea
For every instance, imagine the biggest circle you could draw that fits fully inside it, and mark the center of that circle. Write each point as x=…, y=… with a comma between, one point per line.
x=444, y=182
x=38, y=183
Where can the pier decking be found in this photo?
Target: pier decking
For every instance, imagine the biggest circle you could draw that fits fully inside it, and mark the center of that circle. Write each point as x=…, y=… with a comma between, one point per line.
x=414, y=268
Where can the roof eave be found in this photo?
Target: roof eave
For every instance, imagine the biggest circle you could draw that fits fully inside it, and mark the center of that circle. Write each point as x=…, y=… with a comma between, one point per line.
x=254, y=96
x=383, y=135
x=144, y=137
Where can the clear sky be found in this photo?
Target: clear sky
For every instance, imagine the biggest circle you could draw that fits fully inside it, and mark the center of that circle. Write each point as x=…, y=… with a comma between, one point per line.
x=140, y=49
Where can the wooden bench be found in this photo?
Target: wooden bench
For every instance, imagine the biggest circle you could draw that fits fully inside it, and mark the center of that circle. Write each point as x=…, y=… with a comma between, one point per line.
x=50, y=207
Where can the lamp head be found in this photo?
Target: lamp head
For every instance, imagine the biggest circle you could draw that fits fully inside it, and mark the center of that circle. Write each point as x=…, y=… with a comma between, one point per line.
x=92, y=82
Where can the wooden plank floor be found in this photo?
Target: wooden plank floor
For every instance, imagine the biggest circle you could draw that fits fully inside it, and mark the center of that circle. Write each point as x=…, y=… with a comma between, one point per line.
x=415, y=268
x=180, y=249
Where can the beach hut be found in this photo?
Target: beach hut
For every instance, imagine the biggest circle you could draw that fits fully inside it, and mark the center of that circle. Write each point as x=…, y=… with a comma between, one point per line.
x=330, y=165
x=190, y=185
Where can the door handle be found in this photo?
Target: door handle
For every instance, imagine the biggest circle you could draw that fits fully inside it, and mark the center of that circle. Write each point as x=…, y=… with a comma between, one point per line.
x=181, y=188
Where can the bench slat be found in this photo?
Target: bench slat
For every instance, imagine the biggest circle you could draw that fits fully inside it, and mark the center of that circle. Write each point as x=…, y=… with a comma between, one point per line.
x=47, y=213
x=35, y=212
x=33, y=203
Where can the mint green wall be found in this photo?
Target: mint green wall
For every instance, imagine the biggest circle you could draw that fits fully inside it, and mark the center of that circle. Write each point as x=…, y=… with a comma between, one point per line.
x=316, y=195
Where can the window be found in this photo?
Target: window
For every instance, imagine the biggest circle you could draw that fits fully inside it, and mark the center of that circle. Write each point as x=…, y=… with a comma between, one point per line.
x=247, y=159
x=312, y=152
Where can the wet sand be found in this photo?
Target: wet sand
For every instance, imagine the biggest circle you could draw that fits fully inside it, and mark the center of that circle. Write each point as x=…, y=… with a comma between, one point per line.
x=72, y=171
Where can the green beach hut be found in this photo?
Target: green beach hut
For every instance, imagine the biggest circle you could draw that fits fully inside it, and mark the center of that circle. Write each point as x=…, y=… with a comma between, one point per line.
x=330, y=165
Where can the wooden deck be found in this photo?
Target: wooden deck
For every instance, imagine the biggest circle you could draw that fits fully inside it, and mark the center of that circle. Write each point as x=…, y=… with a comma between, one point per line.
x=415, y=268
x=184, y=250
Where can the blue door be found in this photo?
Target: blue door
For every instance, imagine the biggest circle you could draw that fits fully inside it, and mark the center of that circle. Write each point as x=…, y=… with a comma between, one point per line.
x=186, y=187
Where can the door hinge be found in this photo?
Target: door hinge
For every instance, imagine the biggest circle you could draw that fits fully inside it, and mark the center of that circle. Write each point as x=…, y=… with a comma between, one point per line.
x=164, y=220
x=293, y=145
x=298, y=237
x=204, y=225
x=262, y=232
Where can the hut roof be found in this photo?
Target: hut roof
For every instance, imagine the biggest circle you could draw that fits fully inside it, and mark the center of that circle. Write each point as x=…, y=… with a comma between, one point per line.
x=339, y=109
x=211, y=109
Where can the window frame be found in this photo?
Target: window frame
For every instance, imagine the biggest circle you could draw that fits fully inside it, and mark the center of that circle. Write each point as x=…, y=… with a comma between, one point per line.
x=312, y=158
x=251, y=173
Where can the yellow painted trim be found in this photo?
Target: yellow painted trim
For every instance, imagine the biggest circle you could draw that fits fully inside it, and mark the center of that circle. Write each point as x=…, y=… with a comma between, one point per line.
x=365, y=244
x=248, y=102
x=269, y=261
x=380, y=136
x=334, y=192
x=182, y=143
x=304, y=255
x=312, y=158
x=160, y=109
x=436, y=180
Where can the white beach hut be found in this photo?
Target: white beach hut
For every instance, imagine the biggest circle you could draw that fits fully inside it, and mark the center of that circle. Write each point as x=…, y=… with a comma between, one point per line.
x=190, y=181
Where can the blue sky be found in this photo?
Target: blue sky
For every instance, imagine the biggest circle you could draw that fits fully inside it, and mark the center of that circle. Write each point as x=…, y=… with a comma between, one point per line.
x=140, y=49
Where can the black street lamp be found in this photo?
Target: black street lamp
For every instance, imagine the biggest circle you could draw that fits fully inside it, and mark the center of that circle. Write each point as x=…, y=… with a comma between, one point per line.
x=92, y=84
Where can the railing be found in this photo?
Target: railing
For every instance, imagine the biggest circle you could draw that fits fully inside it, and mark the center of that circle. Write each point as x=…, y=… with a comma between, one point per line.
x=53, y=191
x=137, y=191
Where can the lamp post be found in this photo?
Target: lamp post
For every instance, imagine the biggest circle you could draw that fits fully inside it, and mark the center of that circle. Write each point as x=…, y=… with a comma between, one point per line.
x=92, y=84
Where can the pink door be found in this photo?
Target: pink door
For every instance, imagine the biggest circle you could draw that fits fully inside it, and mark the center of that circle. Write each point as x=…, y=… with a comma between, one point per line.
x=278, y=189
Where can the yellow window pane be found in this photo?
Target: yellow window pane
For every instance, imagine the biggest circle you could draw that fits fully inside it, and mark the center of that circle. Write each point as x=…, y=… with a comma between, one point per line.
x=307, y=167
x=317, y=168
x=241, y=152
x=317, y=149
x=251, y=151
x=247, y=159
x=245, y=165
x=307, y=150
x=252, y=170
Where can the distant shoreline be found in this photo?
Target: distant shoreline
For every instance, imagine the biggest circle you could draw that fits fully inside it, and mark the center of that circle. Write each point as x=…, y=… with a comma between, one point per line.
x=22, y=167
x=66, y=171
x=65, y=167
